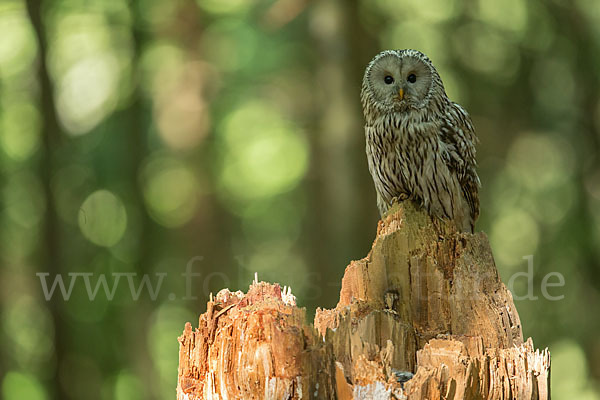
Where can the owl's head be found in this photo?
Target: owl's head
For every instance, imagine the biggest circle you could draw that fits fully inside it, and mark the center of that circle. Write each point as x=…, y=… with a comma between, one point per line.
x=400, y=80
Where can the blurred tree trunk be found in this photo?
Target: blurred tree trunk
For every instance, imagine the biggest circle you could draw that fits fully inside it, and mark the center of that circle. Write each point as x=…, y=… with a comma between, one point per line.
x=50, y=252
x=137, y=117
x=426, y=300
x=339, y=167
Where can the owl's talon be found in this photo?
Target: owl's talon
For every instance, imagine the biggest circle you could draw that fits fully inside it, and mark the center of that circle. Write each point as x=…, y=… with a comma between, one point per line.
x=400, y=198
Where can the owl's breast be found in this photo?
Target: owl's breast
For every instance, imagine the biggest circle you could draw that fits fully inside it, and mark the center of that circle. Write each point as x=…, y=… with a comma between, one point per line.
x=382, y=141
x=403, y=151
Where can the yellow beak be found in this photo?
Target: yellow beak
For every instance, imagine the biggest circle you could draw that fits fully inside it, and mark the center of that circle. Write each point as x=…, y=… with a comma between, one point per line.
x=401, y=93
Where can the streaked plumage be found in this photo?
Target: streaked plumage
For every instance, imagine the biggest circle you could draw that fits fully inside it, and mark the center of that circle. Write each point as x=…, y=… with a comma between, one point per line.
x=420, y=145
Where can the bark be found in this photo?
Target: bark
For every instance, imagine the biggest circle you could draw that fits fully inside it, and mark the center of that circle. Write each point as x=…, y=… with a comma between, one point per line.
x=426, y=300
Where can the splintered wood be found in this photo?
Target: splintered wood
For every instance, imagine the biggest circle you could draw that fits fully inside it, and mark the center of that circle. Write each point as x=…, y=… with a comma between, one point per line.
x=254, y=346
x=426, y=300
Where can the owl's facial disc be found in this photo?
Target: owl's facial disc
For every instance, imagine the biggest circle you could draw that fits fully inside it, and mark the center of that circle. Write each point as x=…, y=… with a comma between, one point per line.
x=399, y=82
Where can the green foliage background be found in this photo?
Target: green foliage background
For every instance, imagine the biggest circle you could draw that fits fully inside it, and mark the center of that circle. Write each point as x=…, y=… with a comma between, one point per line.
x=142, y=136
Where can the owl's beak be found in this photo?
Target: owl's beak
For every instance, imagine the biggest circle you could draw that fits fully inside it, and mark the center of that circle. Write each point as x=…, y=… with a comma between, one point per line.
x=400, y=94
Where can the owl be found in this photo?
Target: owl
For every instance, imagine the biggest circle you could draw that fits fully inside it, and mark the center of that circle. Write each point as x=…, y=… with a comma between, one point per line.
x=420, y=145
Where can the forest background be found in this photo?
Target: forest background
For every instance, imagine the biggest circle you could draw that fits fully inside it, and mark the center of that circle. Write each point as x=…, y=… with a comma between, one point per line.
x=177, y=147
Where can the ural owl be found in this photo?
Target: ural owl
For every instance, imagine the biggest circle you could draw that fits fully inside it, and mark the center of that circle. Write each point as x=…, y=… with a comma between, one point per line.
x=420, y=145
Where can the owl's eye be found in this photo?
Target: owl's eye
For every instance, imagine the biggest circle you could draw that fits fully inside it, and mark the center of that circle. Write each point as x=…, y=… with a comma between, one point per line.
x=388, y=80
x=412, y=78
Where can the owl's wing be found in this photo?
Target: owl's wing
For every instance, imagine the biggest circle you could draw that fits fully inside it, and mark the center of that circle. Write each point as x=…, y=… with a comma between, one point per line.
x=459, y=136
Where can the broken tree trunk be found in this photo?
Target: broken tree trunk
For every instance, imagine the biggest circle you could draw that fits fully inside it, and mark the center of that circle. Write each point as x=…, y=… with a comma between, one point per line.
x=426, y=300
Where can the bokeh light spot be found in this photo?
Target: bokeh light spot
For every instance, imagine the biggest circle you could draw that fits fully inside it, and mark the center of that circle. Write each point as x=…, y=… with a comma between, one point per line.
x=128, y=387
x=88, y=92
x=19, y=136
x=19, y=386
x=102, y=218
x=170, y=191
x=264, y=154
x=182, y=114
x=514, y=234
x=28, y=325
x=160, y=63
x=17, y=42
x=508, y=15
x=570, y=364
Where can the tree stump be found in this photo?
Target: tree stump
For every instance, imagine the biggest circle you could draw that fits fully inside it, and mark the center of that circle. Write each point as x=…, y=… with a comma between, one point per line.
x=426, y=300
